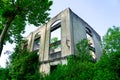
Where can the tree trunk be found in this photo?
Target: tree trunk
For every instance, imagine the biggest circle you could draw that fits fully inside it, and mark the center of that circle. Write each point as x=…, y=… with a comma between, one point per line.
x=4, y=31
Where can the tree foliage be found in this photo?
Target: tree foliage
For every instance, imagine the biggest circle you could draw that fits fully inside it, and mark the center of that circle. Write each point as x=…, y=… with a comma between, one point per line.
x=4, y=74
x=108, y=67
x=15, y=13
x=21, y=65
x=24, y=65
x=111, y=41
x=83, y=52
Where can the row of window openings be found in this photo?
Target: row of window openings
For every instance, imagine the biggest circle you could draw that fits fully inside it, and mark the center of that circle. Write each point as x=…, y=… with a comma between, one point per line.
x=55, y=41
x=91, y=43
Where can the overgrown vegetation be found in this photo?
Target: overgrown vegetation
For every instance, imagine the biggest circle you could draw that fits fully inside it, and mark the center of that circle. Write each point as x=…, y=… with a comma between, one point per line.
x=77, y=67
x=4, y=74
x=24, y=65
x=81, y=66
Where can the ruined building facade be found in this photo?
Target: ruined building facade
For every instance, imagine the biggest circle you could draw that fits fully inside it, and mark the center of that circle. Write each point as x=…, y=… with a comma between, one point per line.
x=57, y=39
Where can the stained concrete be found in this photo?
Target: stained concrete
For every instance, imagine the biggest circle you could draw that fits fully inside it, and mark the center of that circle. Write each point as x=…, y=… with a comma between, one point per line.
x=73, y=29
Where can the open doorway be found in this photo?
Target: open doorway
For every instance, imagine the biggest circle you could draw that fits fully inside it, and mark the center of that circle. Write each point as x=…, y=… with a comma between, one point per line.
x=53, y=68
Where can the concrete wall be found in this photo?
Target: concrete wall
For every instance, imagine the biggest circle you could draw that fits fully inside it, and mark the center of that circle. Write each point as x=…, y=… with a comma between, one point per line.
x=73, y=29
x=45, y=67
x=77, y=30
x=65, y=34
x=98, y=48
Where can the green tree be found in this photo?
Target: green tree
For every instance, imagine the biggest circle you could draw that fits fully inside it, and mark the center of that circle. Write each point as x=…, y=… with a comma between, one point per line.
x=15, y=13
x=111, y=41
x=108, y=67
x=4, y=74
x=24, y=66
x=54, y=40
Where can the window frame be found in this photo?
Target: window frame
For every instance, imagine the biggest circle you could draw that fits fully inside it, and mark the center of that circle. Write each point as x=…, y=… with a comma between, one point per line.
x=35, y=39
x=53, y=28
x=89, y=32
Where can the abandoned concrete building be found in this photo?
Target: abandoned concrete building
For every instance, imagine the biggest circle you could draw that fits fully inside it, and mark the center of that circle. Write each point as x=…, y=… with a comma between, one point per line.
x=57, y=39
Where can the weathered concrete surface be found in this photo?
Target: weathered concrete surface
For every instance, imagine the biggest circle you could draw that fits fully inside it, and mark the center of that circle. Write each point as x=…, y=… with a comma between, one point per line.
x=73, y=29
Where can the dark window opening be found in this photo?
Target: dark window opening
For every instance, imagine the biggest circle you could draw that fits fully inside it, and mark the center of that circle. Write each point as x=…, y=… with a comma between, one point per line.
x=36, y=44
x=92, y=51
x=90, y=42
x=53, y=68
x=89, y=37
x=88, y=31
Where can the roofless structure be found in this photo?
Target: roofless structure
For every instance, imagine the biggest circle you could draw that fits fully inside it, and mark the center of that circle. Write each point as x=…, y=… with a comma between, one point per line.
x=57, y=39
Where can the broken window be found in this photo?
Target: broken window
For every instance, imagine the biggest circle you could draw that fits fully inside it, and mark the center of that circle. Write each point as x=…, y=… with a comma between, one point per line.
x=90, y=43
x=55, y=39
x=90, y=40
x=36, y=44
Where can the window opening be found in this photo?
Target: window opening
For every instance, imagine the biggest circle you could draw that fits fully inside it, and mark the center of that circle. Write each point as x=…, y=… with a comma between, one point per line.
x=55, y=38
x=90, y=43
x=53, y=68
x=90, y=40
x=36, y=44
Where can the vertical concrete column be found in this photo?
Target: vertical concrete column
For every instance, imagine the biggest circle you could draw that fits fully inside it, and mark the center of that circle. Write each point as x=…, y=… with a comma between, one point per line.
x=30, y=38
x=29, y=41
x=42, y=43
x=98, y=49
x=45, y=68
x=47, y=37
x=32, y=41
x=65, y=35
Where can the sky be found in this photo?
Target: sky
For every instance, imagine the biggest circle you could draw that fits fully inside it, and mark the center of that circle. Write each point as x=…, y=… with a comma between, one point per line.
x=99, y=14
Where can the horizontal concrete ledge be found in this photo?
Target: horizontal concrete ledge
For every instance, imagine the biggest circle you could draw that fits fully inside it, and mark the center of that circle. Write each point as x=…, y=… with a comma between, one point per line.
x=53, y=60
